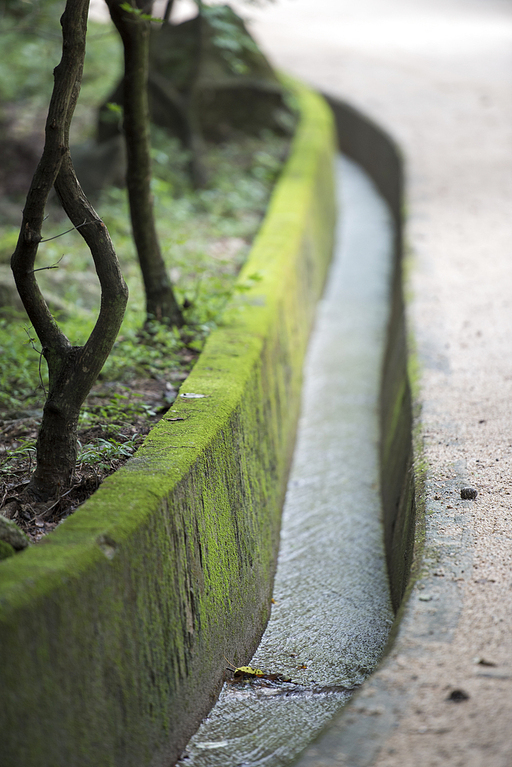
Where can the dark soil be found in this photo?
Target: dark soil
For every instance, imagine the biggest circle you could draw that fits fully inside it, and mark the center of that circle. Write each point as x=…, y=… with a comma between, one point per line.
x=145, y=400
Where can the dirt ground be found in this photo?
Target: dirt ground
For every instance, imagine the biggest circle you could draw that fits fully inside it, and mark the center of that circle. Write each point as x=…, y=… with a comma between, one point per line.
x=98, y=462
x=118, y=416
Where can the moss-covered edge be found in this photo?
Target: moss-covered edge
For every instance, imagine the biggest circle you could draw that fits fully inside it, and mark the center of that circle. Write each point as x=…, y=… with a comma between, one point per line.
x=114, y=630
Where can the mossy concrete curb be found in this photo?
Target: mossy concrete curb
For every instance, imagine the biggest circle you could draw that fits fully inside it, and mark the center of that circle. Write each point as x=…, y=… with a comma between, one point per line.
x=114, y=630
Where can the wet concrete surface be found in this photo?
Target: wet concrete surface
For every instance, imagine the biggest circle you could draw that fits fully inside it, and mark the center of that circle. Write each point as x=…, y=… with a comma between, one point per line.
x=332, y=611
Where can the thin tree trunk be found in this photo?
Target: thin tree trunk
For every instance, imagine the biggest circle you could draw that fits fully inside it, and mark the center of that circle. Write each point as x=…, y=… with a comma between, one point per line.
x=72, y=370
x=168, y=11
x=134, y=30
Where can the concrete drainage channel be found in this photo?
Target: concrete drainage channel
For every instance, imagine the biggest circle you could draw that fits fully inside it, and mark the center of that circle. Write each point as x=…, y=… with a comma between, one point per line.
x=332, y=612
x=117, y=626
x=352, y=472
x=351, y=500
x=354, y=736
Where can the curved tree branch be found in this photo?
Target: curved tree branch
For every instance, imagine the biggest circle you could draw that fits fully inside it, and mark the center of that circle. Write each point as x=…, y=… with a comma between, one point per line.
x=72, y=370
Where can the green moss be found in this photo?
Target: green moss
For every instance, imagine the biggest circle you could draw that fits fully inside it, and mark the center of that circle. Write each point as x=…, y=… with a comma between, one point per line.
x=402, y=447
x=6, y=550
x=120, y=620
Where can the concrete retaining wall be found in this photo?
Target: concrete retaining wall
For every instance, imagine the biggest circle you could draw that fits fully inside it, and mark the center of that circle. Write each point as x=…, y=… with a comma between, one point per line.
x=114, y=630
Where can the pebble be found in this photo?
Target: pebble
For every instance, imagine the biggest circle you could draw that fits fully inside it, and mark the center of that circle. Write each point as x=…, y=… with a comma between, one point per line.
x=468, y=493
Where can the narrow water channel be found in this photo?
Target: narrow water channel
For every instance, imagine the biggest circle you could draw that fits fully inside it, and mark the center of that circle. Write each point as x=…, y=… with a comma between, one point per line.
x=332, y=611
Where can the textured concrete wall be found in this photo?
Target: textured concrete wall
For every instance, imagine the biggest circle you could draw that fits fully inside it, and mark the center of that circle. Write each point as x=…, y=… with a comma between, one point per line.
x=113, y=630
x=369, y=145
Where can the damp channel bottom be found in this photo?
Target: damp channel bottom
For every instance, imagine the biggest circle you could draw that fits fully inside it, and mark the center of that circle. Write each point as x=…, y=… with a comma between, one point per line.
x=332, y=612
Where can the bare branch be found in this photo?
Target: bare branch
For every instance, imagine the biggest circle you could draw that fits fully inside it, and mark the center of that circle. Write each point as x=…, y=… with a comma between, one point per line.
x=53, y=266
x=48, y=239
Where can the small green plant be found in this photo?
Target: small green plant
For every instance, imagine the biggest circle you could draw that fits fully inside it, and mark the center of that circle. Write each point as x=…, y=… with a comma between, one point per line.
x=118, y=409
x=229, y=37
x=137, y=12
x=26, y=450
x=103, y=452
x=20, y=384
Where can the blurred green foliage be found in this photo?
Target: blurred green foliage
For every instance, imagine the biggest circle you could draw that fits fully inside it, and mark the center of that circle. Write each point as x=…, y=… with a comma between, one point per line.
x=31, y=47
x=204, y=234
